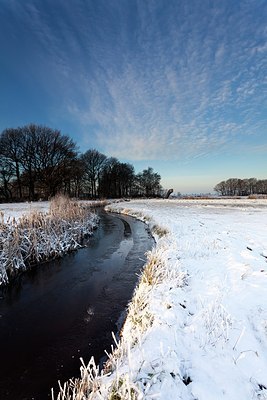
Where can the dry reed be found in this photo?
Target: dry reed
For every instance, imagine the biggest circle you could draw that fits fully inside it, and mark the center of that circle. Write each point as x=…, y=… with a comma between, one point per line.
x=39, y=237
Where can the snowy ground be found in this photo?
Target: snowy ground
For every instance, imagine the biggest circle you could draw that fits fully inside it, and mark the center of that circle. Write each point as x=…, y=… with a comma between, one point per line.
x=206, y=336
x=16, y=210
x=198, y=329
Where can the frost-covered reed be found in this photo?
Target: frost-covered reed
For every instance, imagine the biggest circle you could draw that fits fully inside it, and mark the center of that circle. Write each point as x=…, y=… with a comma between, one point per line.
x=39, y=237
x=118, y=379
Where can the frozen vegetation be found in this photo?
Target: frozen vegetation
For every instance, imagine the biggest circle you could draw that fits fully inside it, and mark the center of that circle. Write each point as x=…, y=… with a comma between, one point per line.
x=197, y=324
x=34, y=233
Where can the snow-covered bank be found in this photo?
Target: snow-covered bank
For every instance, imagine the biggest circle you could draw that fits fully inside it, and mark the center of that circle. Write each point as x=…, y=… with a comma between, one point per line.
x=16, y=210
x=197, y=325
x=29, y=237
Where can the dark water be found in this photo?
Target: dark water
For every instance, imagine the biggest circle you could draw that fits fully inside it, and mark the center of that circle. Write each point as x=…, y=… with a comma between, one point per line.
x=67, y=309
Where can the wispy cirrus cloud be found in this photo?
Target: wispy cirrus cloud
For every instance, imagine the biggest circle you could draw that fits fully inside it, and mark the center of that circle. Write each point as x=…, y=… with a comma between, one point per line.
x=153, y=80
x=193, y=84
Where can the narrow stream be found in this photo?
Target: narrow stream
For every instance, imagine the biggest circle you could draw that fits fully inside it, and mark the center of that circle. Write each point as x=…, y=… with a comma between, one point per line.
x=66, y=309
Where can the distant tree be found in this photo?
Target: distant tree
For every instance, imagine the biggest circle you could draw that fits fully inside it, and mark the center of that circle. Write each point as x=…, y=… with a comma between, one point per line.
x=125, y=178
x=46, y=158
x=232, y=184
x=37, y=162
x=29, y=153
x=40, y=156
x=220, y=188
x=108, y=184
x=148, y=183
x=93, y=162
x=241, y=187
x=116, y=179
x=261, y=186
x=6, y=174
x=73, y=182
x=10, y=153
x=252, y=185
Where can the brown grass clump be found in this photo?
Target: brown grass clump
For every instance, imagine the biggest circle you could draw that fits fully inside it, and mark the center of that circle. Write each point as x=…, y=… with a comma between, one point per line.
x=123, y=389
x=154, y=269
x=159, y=231
x=39, y=237
x=257, y=196
x=82, y=388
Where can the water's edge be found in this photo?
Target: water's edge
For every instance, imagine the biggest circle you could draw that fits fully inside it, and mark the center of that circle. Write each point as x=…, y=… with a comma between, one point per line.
x=67, y=309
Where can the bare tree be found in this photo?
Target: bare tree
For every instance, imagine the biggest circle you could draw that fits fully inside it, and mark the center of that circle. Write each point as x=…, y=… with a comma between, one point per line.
x=10, y=151
x=56, y=155
x=125, y=177
x=148, y=183
x=40, y=156
x=241, y=187
x=94, y=162
x=261, y=186
x=220, y=188
x=116, y=179
x=73, y=182
x=6, y=174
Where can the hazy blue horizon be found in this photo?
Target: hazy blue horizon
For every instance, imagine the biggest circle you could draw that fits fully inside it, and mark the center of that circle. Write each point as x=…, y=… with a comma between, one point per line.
x=176, y=85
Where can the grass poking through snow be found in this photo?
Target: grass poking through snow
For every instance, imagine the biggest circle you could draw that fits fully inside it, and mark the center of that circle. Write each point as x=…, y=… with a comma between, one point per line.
x=38, y=237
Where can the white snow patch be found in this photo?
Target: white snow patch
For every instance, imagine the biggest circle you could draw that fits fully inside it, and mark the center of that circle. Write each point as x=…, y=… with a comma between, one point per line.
x=207, y=334
x=16, y=210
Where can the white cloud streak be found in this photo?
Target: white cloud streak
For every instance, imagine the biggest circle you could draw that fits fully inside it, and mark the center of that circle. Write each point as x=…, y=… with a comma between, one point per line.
x=194, y=89
x=160, y=80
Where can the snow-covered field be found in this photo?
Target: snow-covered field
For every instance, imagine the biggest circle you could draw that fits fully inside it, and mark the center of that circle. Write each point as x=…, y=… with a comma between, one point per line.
x=16, y=210
x=197, y=325
x=206, y=320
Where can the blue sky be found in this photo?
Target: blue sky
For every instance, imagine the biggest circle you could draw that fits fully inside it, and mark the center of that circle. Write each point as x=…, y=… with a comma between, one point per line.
x=178, y=85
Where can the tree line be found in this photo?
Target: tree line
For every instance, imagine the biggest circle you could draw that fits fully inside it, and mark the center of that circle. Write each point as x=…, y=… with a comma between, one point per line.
x=36, y=162
x=241, y=187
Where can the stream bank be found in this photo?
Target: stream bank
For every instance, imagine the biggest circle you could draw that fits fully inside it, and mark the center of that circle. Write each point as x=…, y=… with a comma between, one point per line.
x=67, y=309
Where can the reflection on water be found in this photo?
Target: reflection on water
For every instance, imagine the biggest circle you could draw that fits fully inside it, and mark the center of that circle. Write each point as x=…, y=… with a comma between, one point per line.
x=66, y=309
